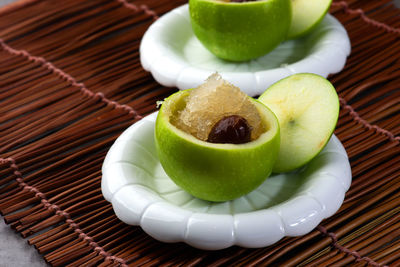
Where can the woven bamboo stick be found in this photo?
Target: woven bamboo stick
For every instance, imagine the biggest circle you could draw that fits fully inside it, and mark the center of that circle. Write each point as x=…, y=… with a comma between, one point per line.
x=49, y=160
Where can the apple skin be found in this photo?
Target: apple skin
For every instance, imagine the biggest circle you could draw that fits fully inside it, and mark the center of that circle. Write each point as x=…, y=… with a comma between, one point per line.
x=307, y=107
x=240, y=31
x=215, y=172
x=306, y=15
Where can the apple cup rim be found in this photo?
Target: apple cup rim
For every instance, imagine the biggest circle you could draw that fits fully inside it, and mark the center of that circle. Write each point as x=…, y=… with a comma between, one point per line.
x=223, y=3
x=267, y=117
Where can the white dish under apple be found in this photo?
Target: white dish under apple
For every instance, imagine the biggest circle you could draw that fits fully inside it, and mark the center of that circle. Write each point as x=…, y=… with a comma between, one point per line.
x=289, y=204
x=176, y=58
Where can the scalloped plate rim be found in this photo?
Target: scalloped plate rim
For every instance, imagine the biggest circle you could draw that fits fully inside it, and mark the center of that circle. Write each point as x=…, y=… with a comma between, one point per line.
x=254, y=82
x=157, y=226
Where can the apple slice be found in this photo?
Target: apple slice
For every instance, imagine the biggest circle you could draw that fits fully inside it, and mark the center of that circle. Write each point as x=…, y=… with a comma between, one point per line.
x=307, y=108
x=306, y=14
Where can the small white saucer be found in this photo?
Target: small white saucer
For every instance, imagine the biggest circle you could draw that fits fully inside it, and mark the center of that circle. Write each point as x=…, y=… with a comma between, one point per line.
x=290, y=204
x=176, y=58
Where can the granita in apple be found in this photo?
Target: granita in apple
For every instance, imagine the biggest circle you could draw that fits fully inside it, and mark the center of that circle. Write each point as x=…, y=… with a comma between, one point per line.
x=216, y=142
x=216, y=109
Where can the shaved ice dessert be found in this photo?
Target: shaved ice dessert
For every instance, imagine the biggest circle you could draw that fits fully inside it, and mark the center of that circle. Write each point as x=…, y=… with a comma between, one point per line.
x=207, y=104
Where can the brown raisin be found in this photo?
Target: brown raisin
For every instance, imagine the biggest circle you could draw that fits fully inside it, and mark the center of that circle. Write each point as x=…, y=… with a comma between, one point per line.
x=232, y=129
x=241, y=1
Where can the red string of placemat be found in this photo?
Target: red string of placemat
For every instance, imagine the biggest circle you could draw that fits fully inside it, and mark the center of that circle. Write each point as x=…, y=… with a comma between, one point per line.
x=65, y=76
x=345, y=6
x=98, y=96
x=135, y=8
x=355, y=254
x=131, y=111
x=86, y=91
x=51, y=67
x=366, y=124
x=145, y=8
x=357, y=118
x=58, y=211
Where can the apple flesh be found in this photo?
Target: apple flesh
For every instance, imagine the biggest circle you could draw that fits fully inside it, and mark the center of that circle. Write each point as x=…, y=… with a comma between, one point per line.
x=307, y=108
x=210, y=171
x=240, y=31
x=306, y=15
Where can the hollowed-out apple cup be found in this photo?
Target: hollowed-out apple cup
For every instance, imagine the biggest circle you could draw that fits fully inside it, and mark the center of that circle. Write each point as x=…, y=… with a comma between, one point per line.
x=209, y=171
x=240, y=31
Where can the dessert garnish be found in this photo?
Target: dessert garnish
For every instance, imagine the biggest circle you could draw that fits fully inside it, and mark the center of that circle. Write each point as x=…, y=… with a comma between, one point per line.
x=307, y=108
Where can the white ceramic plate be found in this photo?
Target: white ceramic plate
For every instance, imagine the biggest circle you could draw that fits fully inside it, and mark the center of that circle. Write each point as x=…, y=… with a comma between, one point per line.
x=176, y=58
x=290, y=204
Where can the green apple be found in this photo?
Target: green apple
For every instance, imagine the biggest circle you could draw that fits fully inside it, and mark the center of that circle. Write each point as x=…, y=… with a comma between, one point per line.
x=306, y=15
x=210, y=171
x=307, y=108
x=240, y=31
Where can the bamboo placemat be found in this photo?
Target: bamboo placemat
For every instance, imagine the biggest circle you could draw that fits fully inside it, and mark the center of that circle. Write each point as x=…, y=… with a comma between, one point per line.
x=71, y=82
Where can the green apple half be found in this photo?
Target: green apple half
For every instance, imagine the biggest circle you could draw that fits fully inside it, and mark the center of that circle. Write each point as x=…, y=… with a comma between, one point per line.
x=306, y=15
x=209, y=171
x=240, y=31
x=307, y=108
